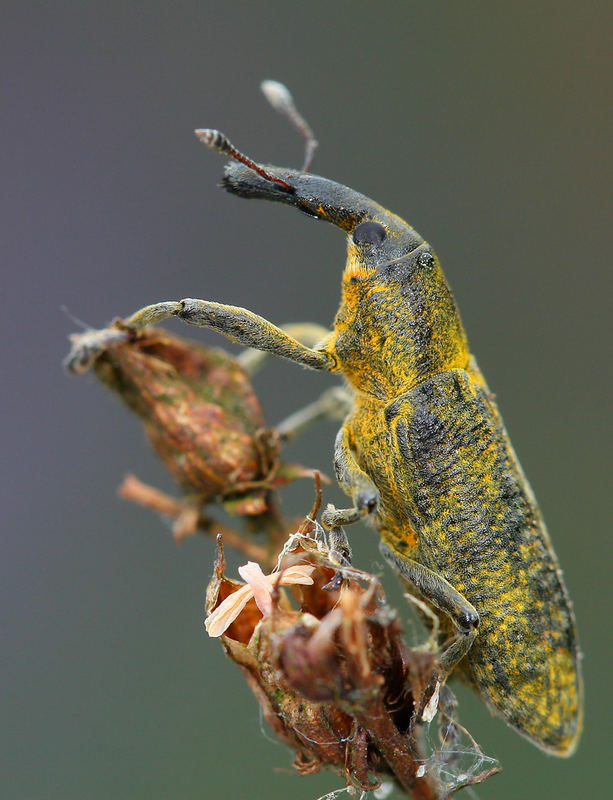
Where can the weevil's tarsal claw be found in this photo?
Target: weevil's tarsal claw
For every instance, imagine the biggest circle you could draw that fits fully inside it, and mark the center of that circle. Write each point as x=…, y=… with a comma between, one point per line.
x=86, y=347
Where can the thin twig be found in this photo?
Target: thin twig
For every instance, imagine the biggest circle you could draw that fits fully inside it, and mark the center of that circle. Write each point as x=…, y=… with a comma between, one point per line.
x=136, y=491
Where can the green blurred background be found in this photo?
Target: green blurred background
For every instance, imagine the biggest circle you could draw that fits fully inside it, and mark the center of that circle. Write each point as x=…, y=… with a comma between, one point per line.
x=486, y=125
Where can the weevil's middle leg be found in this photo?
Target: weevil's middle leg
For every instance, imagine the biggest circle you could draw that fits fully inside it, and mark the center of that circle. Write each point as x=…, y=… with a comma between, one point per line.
x=334, y=403
x=339, y=551
x=339, y=546
x=365, y=496
x=355, y=482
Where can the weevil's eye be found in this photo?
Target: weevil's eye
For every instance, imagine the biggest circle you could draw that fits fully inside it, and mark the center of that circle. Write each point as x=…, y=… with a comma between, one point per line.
x=369, y=233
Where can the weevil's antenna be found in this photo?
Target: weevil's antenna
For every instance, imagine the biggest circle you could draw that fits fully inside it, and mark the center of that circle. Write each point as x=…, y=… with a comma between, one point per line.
x=217, y=140
x=280, y=98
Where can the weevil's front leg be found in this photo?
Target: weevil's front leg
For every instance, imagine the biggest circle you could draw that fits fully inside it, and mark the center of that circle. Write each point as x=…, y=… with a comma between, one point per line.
x=308, y=333
x=151, y=315
x=237, y=324
x=354, y=481
x=438, y=592
x=249, y=329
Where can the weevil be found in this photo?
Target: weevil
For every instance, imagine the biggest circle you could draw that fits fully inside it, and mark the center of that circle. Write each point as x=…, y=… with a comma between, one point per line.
x=424, y=454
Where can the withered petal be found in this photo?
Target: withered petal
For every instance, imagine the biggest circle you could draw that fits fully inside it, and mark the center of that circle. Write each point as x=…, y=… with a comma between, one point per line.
x=258, y=586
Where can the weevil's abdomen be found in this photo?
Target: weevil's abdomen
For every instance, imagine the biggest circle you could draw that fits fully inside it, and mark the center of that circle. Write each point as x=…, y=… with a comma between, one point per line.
x=462, y=507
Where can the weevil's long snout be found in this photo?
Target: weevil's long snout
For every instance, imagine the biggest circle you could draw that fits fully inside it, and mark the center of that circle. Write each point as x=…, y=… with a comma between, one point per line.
x=319, y=197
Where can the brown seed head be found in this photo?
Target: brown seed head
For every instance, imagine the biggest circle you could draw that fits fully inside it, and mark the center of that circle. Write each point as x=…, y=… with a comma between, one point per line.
x=334, y=678
x=200, y=414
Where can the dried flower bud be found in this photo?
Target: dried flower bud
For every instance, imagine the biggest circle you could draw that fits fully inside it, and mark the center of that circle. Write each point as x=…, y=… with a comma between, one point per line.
x=334, y=679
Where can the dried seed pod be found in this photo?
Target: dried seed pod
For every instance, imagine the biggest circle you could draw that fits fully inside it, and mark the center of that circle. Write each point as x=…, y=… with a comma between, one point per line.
x=334, y=679
x=200, y=413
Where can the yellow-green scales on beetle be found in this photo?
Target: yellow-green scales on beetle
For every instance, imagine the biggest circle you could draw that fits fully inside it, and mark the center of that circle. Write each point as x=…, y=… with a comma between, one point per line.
x=424, y=454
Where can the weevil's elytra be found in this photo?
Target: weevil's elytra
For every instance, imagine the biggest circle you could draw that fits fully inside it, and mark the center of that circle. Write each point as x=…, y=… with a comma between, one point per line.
x=425, y=455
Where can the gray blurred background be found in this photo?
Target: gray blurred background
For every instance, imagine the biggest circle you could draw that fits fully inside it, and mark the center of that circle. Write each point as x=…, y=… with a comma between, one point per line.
x=487, y=126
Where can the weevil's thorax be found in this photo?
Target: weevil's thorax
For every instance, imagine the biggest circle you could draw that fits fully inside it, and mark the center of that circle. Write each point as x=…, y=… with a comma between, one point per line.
x=398, y=323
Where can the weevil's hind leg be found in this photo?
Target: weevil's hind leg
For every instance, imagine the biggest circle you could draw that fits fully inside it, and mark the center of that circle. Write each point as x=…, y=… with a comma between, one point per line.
x=435, y=590
x=355, y=482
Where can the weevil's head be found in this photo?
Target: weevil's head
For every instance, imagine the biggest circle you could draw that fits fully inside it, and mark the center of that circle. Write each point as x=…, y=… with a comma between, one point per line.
x=397, y=323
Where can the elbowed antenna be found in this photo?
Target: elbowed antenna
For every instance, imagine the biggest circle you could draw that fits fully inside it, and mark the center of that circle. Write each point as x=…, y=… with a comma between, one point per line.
x=280, y=98
x=217, y=140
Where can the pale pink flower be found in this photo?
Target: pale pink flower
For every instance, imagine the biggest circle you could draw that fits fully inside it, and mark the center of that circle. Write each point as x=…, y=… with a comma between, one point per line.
x=258, y=586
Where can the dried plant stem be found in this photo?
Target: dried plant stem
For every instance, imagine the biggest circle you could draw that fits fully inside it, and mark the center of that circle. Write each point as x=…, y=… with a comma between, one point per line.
x=188, y=517
x=399, y=750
